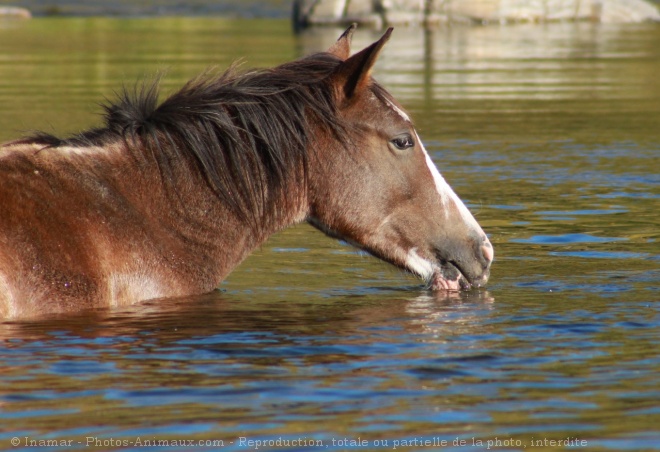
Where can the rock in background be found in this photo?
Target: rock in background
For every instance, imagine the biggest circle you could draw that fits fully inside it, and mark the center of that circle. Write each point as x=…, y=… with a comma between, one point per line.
x=15, y=12
x=380, y=12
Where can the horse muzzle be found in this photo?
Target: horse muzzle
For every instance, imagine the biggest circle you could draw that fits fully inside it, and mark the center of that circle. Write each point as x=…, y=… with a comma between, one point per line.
x=462, y=271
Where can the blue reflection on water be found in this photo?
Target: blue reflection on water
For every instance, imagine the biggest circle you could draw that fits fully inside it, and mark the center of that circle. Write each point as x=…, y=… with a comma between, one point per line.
x=567, y=239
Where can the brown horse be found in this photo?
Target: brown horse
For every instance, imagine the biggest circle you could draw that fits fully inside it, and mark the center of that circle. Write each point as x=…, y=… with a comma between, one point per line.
x=165, y=200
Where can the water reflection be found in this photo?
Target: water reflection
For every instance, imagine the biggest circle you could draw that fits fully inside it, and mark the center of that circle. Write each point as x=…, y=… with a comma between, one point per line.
x=547, y=62
x=89, y=59
x=235, y=367
x=215, y=314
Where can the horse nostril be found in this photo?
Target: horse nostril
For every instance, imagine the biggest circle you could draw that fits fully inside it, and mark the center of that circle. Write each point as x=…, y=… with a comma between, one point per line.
x=487, y=251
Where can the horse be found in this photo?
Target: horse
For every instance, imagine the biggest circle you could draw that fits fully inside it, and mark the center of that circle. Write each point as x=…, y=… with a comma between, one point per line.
x=166, y=199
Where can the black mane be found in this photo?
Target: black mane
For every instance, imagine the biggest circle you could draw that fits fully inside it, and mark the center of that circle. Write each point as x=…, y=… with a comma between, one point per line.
x=228, y=125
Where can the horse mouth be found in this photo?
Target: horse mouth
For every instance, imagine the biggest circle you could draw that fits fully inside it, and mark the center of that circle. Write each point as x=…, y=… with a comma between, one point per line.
x=448, y=277
x=441, y=274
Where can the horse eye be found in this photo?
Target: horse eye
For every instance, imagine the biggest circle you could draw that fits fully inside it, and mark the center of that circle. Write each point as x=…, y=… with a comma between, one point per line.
x=403, y=142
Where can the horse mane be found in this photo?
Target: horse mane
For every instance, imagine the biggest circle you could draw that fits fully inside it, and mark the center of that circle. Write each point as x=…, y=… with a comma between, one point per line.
x=245, y=131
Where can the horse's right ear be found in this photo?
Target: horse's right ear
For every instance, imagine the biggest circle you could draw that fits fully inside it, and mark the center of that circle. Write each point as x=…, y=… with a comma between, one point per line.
x=354, y=74
x=342, y=48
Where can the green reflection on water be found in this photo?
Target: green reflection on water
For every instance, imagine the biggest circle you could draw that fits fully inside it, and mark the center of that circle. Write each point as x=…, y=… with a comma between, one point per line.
x=53, y=66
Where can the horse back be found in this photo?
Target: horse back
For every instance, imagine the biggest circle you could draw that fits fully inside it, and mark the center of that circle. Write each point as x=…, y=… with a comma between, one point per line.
x=61, y=220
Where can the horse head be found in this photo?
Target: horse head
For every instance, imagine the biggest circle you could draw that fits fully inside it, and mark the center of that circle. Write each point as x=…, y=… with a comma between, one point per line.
x=379, y=190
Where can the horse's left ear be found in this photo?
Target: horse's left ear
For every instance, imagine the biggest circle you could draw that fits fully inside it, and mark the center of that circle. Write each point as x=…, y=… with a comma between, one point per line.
x=342, y=48
x=353, y=75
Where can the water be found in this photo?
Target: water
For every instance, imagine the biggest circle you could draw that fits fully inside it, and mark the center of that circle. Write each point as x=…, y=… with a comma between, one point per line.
x=131, y=8
x=549, y=133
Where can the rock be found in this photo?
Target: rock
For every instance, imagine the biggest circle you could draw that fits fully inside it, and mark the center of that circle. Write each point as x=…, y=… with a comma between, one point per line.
x=15, y=12
x=380, y=12
x=400, y=12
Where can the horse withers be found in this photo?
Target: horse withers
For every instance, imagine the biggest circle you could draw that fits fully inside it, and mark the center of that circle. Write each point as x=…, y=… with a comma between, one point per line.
x=166, y=199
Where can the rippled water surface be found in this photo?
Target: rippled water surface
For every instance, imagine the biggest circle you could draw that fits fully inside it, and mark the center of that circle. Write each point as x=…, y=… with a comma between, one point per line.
x=549, y=133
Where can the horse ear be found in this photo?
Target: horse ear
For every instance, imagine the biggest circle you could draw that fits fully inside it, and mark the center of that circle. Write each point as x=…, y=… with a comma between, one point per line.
x=353, y=75
x=342, y=48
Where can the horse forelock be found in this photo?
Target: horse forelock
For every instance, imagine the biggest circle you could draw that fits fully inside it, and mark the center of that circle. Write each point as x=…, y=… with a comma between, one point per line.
x=245, y=131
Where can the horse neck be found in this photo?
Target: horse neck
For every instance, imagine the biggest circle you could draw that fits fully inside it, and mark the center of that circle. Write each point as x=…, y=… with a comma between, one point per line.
x=213, y=234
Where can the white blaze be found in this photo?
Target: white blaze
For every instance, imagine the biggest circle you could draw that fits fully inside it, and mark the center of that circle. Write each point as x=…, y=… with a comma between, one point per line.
x=444, y=190
x=414, y=261
x=401, y=113
x=447, y=194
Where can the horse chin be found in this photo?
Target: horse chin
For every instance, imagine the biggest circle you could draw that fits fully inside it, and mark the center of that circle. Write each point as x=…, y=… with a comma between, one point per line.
x=448, y=277
x=439, y=274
